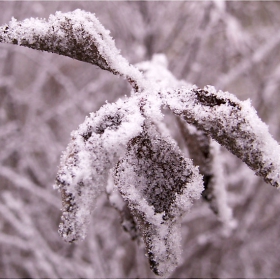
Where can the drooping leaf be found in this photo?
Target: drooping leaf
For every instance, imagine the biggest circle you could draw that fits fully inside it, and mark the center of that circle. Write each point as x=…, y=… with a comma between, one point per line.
x=205, y=153
x=159, y=185
x=76, y=34
x=94, y=148
x=232, y=123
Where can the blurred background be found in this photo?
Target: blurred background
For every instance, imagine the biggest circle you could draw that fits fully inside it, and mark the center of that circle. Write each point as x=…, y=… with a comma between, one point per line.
x=234, y=46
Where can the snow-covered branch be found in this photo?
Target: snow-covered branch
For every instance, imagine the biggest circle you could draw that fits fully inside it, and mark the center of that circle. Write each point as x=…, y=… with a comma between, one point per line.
x=123, y=149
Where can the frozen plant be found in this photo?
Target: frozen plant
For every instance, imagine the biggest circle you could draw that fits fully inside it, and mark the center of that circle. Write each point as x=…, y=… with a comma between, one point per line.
x=125, y=150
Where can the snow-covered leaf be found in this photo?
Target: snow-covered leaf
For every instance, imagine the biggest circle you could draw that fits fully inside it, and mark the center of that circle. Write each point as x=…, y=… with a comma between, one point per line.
x=76, y=34
x=159, y=185
x=232, y=123
x=94, y=148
